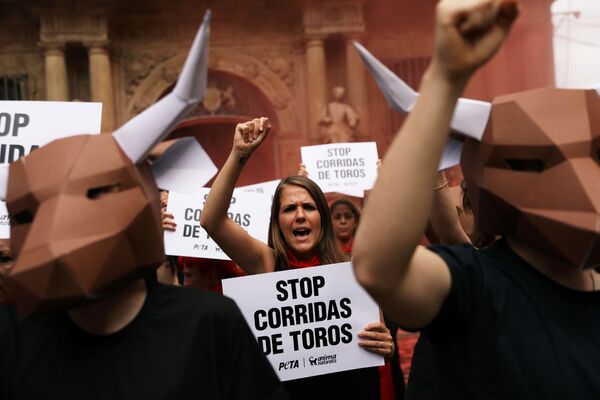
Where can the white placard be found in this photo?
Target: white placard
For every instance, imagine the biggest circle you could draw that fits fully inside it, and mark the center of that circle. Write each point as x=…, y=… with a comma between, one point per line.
x=27, y=125
x=263, y=187
x=184, y=167
x=4, y=221
x=306, y=320
x=249, y=210
x=349, y=168
x=451, y=154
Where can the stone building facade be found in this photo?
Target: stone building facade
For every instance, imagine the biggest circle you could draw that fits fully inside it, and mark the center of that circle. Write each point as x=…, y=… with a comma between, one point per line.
x=278, y=58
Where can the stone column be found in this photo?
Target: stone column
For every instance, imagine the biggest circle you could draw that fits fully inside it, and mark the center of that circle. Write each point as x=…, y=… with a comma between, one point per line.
x=57, y=84
x=316, y=76
x=357, y=85
x=101, y=85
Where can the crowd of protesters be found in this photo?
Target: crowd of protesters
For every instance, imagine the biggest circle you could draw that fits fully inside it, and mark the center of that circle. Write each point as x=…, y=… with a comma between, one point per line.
x=504, y=313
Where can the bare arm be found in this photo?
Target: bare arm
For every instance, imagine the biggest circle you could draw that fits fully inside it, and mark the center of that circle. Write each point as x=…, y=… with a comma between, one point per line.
x=410, y=282
x=250, y=254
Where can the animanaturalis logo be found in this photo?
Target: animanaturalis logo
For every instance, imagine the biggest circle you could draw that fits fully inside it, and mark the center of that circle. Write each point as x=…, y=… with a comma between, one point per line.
x=323, y=360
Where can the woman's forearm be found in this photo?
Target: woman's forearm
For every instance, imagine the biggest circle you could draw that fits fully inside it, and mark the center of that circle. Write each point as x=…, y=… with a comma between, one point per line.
x=219, y=197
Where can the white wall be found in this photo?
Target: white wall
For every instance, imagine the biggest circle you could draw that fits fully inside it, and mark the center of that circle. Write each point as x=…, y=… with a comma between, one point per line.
x=576, y=43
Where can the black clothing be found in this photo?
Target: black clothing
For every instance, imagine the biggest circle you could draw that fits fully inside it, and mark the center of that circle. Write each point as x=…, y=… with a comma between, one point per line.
x=506, y=331
x=397, y=374
x=184, y=343
x=354, y=384
x=421, y=380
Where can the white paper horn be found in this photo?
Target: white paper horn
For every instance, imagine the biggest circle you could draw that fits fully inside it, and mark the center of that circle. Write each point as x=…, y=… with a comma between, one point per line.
x=470, y=116
x=139, y=135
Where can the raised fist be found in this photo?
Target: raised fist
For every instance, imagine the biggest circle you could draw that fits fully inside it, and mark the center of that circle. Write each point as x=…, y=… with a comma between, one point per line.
x=469, y=32
x=249, y=135
x=302, y=171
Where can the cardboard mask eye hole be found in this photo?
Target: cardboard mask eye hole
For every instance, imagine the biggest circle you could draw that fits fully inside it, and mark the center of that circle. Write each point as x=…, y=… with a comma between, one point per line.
x=97, y=192
x=525, y=164
x=23, y=217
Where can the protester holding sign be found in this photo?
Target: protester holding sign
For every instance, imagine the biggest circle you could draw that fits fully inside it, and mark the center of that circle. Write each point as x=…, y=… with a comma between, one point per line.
x=345, y=217
x=349, y=168
x=301, y=235
x=518, y=319
x=200, y=273
x=207, y=273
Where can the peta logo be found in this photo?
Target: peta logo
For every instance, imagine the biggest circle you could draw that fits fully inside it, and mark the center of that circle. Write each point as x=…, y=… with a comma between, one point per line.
x=324, y=359
x=288, y=365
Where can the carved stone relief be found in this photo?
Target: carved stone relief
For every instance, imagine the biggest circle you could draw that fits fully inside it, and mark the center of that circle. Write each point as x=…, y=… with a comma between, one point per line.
x=250, y=70
x=280, y=101
x=283, y=67
x=73, y=26
x=149, y=79
x=138, y=66
x=219, y=101
x=334, y=17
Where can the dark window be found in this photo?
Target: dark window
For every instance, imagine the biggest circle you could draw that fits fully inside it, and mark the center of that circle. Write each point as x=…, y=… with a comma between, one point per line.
x=13, y=87
x=410, y=70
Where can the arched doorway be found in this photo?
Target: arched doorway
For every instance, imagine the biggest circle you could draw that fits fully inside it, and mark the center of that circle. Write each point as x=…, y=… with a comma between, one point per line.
x=228, y=101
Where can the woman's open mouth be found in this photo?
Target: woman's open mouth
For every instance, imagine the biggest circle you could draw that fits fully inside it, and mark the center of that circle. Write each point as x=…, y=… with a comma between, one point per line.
x=301, y=234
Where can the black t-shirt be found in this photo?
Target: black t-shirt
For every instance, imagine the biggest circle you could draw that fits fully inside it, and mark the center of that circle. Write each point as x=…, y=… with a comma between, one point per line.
x=421, y=380
x=506, y=331
x=360, y=383
x=184, y=343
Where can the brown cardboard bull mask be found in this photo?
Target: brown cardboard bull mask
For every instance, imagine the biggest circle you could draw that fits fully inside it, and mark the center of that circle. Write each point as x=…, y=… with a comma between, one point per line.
x=535, y=175
x=85, y=209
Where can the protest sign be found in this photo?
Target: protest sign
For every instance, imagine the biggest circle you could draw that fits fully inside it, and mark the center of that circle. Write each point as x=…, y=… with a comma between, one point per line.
x=306, y=320
x=349, y=168
x=28, y=125
x=263, y=187
x=4, y=221
x=184, y=167
x=251, y=211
